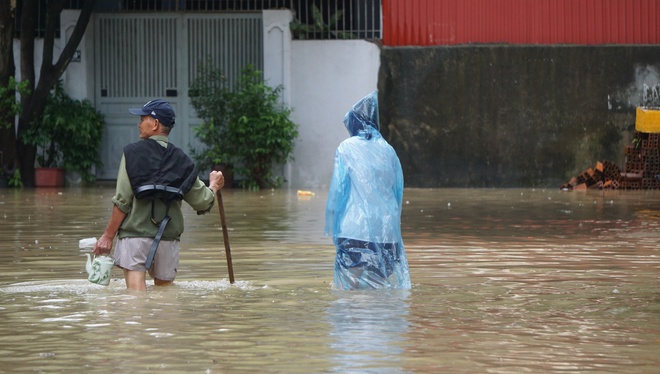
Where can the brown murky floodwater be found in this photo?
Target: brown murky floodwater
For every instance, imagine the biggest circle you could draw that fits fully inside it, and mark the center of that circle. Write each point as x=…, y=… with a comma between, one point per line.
x=504, y=281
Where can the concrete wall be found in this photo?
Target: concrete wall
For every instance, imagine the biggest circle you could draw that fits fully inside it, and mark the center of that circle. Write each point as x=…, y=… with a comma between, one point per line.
x=328, y=78
x=322, y=79
x=512, y=116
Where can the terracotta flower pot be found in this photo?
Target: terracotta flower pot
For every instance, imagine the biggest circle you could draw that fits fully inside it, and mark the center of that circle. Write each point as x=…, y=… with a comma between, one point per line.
x=49, y=177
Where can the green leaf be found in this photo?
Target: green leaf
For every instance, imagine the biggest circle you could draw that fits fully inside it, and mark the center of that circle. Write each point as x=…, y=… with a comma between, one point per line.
x=243, y=126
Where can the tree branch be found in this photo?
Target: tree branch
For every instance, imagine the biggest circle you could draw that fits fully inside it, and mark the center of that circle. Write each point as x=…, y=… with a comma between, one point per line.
x=27, y=47
x=71, y=44
x=53, y=14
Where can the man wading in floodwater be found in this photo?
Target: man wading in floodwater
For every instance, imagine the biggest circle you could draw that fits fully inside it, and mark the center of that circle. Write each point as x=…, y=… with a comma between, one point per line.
x=153, y=177
x=363, y=212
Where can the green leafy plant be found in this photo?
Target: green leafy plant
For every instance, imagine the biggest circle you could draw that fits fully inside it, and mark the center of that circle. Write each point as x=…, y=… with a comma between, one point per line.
x=245, y=126
x=68, y=134
x=209, y=96
x=15, y=180
x=9, y=106
x=319, y=29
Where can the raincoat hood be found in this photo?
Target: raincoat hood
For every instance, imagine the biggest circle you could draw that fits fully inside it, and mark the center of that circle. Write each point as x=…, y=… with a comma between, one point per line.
x=363, y=116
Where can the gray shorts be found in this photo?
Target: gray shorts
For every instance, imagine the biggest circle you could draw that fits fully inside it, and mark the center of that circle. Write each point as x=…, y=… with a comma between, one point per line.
x=131, y=254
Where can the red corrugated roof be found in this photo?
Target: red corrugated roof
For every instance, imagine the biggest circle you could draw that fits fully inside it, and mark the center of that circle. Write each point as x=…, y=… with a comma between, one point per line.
x=447, y=22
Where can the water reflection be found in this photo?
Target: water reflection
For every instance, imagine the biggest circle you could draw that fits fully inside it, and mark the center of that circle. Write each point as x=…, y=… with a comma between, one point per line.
x=504, y=280
x=369, y=331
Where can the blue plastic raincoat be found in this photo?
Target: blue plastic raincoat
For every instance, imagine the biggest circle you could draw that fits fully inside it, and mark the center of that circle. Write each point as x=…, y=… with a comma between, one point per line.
x=363, y=211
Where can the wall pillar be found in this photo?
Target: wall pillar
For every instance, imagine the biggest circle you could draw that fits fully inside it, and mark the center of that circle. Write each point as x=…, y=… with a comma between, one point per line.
x=277, y=50
x=277, y=61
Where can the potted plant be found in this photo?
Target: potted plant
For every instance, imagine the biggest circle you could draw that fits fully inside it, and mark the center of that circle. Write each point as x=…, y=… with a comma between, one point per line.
x=68, y=136
x=245, y=128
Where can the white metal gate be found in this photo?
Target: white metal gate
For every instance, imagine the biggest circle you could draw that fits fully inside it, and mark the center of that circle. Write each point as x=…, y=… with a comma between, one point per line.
x=139, y=57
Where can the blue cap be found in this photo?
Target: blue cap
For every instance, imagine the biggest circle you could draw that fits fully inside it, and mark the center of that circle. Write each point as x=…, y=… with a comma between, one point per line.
x=159, y=109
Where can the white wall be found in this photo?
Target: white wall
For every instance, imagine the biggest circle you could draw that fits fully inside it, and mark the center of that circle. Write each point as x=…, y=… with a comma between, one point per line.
x=328, y=77
x=322, y=79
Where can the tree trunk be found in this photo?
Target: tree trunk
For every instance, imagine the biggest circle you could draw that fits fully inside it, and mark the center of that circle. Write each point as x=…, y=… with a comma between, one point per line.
x=33, y=103
x=26, y=154
x=7, y=70
x=6, y=41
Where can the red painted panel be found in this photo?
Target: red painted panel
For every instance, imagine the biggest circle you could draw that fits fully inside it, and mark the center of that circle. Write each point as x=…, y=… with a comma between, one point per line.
x=591, y=22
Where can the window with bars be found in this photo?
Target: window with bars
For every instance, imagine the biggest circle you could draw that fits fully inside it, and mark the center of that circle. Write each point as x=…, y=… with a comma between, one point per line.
x=313, y=19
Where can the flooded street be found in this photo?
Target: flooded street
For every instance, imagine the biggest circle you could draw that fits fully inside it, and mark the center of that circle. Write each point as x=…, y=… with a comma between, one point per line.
x=504, y=281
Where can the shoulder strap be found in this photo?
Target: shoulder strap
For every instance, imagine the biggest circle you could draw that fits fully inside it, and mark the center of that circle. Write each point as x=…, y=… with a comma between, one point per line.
x=154, y=245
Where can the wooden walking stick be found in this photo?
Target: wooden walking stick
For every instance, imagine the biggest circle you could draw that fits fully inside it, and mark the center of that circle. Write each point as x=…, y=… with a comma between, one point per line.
x=225, y=236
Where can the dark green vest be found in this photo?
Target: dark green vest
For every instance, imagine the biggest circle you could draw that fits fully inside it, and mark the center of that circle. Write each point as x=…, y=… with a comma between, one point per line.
x=157, y=172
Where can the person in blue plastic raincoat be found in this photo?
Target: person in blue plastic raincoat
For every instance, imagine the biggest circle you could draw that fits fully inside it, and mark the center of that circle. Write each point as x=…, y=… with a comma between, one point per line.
x=363, y=211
